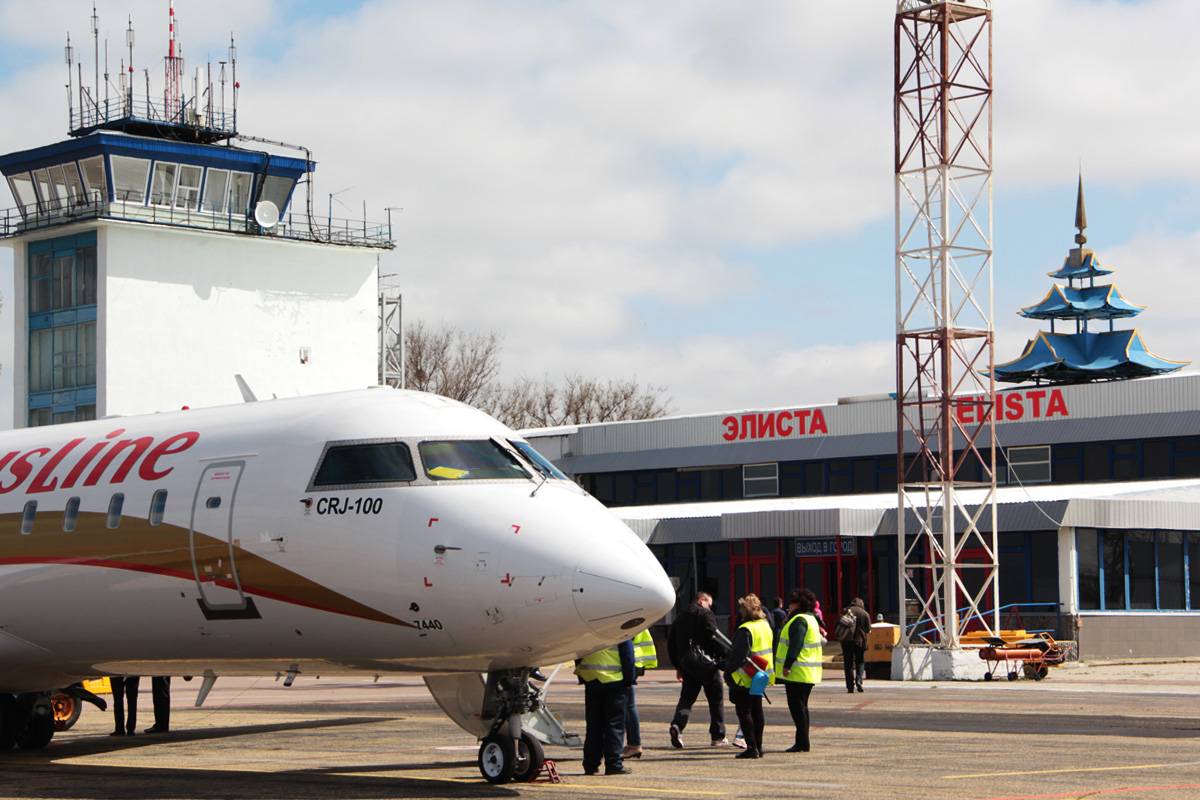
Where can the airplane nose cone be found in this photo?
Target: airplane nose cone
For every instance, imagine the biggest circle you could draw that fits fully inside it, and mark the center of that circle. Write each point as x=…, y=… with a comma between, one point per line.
x=622, y=595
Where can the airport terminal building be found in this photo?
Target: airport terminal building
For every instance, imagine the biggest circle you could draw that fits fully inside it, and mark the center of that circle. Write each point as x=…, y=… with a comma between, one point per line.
x=1098, y=508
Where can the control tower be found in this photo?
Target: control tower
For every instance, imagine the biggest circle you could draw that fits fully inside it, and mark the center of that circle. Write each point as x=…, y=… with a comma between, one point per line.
x=157, y=253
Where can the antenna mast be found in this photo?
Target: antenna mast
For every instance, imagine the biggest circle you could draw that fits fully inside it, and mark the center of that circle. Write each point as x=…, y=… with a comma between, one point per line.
x=173, y=67
x=948, y=564
x=69, y=53
x=96, y=45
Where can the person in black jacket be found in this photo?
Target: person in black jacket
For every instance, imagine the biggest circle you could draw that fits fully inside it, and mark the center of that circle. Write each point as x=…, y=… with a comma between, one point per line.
x=695, y=648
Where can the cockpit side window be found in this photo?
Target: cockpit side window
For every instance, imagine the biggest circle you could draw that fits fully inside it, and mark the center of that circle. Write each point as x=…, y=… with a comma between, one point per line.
x=470, y=460
x=364, y=465
x=539, y=461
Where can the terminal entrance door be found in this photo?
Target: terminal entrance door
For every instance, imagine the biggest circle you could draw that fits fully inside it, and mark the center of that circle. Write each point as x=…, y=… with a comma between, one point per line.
x=755, y=566
x=817, y=571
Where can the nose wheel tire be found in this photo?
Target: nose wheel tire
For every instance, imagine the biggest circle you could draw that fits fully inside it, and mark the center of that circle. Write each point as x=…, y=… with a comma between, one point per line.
x=530, y=757
x=497, y=758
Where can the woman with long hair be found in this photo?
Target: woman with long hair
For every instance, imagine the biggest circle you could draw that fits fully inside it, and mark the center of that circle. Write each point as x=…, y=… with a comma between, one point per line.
x=752, y=638
x=799, y=655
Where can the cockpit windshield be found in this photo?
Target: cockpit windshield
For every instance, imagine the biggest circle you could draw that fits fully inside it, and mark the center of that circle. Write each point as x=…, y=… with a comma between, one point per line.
x=467, y=460
x=539, y=461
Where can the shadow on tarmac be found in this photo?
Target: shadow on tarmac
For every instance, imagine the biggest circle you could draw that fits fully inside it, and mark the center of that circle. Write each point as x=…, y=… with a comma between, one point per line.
x=43, y=780
x=94, y=745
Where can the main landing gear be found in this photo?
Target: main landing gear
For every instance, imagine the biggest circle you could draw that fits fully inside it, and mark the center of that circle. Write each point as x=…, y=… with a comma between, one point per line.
x=508, y=752
x=26, y=721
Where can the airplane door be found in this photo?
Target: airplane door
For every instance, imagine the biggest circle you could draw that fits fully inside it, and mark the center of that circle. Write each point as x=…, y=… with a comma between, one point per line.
x=210, y=539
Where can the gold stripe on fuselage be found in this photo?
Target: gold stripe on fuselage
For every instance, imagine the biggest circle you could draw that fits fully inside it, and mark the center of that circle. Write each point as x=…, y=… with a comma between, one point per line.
x=163, y=549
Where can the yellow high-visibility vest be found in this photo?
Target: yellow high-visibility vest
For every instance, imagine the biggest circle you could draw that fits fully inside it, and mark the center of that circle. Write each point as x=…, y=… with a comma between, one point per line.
x=807, y=667
x=760, y=645
x=644, y=655
x=602, y=665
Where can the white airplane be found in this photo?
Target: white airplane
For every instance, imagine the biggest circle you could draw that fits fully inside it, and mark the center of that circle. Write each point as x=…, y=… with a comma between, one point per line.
x=377, y=531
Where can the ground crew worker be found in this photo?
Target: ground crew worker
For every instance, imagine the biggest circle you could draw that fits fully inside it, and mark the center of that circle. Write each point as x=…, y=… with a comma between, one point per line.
x=753, y=637
x=606, y=674
x=644, y=657
x=799, y=656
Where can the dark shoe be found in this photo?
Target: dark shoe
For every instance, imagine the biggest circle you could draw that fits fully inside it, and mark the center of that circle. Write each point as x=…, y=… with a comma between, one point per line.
x=632, y=751
x=796, y=749
x=591, y=770
x=749, y=752
x=860, y=687
x=676, y=737
x=849, y=690
x=117, y=733
x=155, y=729
x=621, y=770
x=131, y=733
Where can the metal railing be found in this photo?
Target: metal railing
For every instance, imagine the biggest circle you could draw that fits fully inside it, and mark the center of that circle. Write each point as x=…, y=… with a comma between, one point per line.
x=359, y=233
x=1015, y=620
x=142, y=108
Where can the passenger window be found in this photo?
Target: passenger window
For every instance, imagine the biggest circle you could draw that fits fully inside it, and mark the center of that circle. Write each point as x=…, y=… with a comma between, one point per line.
x=365, y=464
x=28, y=516
x=71, y=514
x=212, y=502
x=114, y=510
x=158, y=505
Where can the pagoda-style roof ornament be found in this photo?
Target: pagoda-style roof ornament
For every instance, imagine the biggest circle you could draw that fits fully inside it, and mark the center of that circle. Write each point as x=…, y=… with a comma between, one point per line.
x=1081, y=356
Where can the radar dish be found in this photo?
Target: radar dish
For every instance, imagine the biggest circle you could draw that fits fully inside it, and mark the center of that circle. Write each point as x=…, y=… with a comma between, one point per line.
x=266, y=214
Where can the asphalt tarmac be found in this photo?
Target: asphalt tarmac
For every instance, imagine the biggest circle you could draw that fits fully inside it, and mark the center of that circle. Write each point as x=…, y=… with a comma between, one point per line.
x=1094, y=732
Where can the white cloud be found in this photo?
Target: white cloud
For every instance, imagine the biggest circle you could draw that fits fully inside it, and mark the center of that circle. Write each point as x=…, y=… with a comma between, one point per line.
x=569, y=170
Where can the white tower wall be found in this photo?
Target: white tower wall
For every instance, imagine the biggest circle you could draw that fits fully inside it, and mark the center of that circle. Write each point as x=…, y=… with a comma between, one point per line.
x=181, y=312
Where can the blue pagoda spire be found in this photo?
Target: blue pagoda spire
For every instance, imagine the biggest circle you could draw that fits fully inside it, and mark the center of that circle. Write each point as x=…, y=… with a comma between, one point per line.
x=1083, y=355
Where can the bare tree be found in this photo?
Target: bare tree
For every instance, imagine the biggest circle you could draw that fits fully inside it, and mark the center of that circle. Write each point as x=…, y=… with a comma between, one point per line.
x=451, y=362
x=578, y=400
x=465, y=365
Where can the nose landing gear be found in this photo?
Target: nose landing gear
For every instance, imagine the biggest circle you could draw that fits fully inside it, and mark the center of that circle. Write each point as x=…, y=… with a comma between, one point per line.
x=508, y=752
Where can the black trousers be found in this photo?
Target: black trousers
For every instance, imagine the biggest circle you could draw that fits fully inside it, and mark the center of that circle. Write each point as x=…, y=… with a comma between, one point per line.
x=797, y=697
x=750, y=716
x=604, y=710
x=160, y=688
x=714, y=693
x=124, y=696
x=852, y=664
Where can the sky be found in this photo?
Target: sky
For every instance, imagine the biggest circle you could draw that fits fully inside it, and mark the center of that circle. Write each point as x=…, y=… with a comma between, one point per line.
x=695, y=194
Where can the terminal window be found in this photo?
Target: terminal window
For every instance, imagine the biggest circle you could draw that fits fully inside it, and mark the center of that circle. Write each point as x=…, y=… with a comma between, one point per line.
x=760, y=480
x=1138, y=570
x=1029, y=464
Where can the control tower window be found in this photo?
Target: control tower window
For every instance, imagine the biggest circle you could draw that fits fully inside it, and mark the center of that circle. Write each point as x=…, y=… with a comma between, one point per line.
x=239, y=192
x=22, y=190
x=129, y=178
x=481, y=459
x=277, y=190
x=364, y=465
x=93, y=177
x=215, y=191
x=41, y=179
x=162, y=189
x=188, y=192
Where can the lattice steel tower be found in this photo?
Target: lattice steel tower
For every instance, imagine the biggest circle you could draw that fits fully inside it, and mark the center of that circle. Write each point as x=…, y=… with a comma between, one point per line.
x=944, y=334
